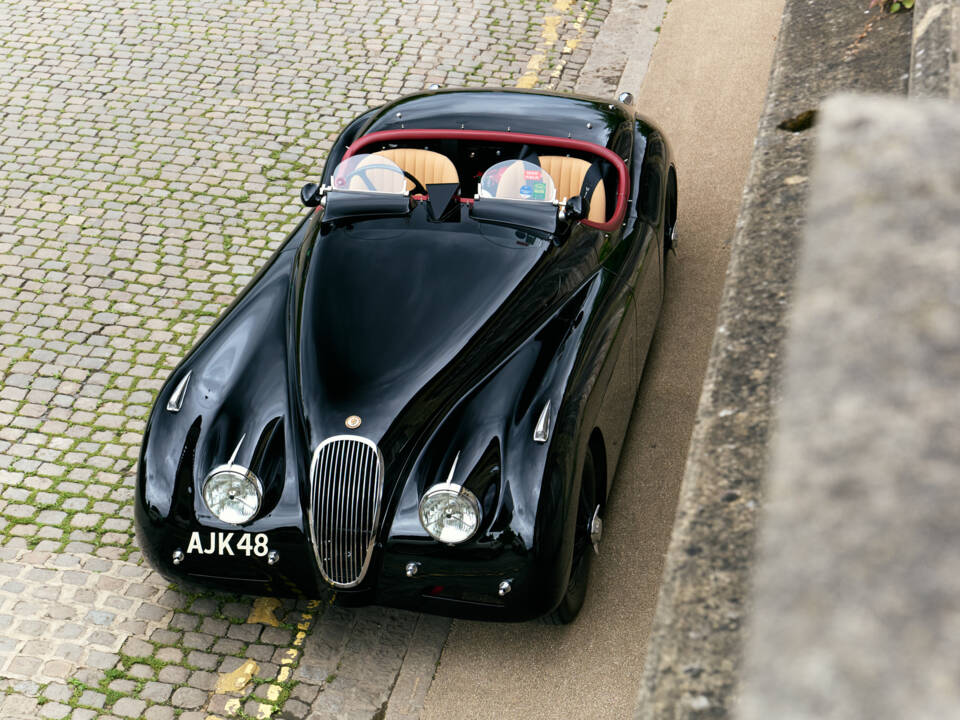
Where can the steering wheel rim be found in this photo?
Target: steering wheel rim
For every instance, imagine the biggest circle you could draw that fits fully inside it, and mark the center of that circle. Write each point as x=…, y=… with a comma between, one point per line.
x=417, y=185
x=361, y=172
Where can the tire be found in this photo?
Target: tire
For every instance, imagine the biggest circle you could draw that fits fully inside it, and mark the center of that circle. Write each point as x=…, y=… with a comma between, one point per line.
x=569, y=607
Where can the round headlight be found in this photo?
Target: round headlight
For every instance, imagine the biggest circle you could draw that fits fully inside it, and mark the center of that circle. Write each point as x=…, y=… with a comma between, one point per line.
x=450, y=513
x=232, y=493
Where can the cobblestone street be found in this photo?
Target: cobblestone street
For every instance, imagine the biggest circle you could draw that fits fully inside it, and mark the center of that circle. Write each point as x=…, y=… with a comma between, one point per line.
x=152, y=153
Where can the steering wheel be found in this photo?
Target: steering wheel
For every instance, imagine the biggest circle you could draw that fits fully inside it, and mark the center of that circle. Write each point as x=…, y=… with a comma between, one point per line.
x=362, y=173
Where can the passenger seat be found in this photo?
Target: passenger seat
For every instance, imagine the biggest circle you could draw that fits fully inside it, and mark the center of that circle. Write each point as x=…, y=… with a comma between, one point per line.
x=568, y=174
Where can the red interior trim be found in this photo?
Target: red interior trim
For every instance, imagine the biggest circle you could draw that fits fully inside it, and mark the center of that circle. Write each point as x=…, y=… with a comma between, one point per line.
x=620, y=208
x=424, y=198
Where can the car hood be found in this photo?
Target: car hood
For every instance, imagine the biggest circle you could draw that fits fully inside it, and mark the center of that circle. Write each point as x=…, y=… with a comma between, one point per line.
x=395, y=323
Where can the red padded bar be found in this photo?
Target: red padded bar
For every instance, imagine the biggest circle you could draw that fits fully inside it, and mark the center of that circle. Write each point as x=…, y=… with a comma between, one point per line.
x=620, y=207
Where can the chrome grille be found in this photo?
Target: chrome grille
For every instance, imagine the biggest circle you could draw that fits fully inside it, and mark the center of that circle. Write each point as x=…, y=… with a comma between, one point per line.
x=347, y=486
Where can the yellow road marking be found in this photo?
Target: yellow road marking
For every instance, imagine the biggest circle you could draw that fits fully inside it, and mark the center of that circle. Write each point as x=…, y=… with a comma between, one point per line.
x=569, y=47
x=572, y=43
x=235, y=681
x=549, y=32
x=550, y=36
x=263, y=611
x=529, y=78
x=232, y=706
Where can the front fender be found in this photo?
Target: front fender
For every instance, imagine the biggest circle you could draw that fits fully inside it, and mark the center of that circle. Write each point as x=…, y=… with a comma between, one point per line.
x=238, y=403
x=527, y=490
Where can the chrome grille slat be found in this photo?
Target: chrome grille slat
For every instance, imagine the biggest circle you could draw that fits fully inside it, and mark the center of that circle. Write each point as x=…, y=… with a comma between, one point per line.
x=346, y=491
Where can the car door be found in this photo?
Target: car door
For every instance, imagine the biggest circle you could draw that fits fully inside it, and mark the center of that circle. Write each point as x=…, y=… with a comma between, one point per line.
x=648, y=286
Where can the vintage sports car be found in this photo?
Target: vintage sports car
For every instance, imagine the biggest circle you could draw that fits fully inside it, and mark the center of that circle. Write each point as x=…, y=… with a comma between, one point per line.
x=421, y=399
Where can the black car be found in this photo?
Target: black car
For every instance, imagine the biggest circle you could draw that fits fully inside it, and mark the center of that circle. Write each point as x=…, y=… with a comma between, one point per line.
x=421, y=399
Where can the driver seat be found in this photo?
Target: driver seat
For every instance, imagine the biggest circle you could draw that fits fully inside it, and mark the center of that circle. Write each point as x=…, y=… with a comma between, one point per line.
x=425, y=165
x=568, y=174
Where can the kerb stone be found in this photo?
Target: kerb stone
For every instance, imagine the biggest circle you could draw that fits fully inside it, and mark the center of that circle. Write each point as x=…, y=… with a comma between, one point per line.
x=857, y=590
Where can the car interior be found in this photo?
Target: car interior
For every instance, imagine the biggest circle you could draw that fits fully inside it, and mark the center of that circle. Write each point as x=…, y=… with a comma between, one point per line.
x=464, y=163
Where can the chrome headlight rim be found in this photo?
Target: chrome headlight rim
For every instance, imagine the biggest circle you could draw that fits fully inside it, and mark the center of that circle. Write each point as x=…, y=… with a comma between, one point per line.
x=460, y=492
x=233, y=469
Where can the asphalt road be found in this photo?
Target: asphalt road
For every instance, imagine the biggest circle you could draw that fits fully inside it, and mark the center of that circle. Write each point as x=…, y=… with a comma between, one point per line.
x=705, y=86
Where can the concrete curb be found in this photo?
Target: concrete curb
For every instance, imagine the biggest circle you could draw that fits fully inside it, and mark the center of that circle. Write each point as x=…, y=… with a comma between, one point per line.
x=934, y=69
x=622, y=48
x=857, y=588
x=693, y=660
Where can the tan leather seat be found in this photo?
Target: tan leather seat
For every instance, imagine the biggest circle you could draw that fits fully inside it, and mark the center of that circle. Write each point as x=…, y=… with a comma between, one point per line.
x=426, y=166
x=567, y=174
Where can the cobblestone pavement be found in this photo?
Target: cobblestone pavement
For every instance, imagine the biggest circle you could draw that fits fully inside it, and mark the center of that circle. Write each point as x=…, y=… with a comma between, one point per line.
x=151, y=153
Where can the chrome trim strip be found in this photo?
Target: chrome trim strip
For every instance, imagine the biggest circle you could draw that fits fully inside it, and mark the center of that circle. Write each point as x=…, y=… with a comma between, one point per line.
x=453, y=469
x=541, y=433
x=343, y=509
x=236, y=449
x=176, y=397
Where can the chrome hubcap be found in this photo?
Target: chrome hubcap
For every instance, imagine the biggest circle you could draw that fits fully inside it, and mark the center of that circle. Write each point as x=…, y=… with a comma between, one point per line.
x=596, y=530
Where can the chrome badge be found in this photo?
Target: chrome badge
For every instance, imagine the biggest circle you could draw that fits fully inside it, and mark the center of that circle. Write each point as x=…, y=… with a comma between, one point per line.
x=353, y=422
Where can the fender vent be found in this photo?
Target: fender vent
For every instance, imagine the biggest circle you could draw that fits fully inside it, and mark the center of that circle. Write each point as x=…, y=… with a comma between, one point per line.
x=346, y=488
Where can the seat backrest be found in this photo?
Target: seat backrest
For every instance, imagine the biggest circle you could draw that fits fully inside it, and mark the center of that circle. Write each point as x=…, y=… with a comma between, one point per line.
x=425, y=165
x=568, y=174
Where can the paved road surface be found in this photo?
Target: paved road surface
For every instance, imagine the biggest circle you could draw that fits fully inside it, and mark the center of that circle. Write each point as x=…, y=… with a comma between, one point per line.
x=150, y=158
x=705, y=86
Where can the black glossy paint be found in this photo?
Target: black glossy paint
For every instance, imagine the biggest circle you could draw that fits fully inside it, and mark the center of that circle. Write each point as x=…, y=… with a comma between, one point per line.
x=444, y=337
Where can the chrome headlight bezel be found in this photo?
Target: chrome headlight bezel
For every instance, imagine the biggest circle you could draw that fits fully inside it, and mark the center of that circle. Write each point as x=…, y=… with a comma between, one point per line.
x=456, y=493
x=244, y=475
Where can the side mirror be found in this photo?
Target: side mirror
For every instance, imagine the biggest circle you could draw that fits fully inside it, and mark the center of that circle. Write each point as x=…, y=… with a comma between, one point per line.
x=310, y=195
x=573, y=209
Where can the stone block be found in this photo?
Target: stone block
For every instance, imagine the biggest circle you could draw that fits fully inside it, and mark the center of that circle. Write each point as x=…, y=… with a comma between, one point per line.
x=858, y=586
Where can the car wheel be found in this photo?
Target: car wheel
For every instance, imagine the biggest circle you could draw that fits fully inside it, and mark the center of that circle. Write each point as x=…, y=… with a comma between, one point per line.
x=587, y=507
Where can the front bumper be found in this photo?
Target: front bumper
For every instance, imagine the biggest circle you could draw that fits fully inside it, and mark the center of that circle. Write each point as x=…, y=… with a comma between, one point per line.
x=447, y=582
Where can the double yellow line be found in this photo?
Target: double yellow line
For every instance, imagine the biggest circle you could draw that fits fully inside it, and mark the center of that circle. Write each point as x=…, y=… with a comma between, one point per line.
x=549, y=38
x=234, y=682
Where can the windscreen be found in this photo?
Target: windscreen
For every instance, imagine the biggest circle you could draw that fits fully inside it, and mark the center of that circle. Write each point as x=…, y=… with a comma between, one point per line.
x=517, y=180
x=369, y=173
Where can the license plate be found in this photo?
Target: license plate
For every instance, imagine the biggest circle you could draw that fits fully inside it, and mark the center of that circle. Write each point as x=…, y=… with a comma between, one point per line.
x=228, y=543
